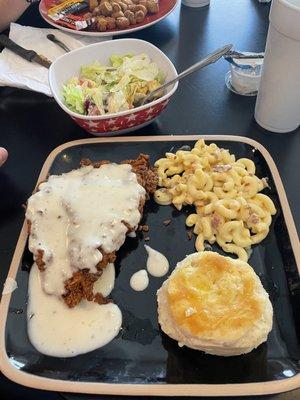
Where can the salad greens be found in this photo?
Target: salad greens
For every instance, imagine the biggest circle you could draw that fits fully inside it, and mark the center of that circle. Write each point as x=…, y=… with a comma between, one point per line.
x=103, y=89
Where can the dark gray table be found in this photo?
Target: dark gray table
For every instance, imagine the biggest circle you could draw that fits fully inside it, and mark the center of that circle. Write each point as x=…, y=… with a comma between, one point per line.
x=32, y=124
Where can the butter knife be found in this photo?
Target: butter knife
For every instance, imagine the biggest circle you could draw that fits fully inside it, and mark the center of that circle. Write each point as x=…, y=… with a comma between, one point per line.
x=29, y=55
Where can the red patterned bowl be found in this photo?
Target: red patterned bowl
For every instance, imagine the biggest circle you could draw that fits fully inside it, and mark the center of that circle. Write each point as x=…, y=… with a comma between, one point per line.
x=69, y=65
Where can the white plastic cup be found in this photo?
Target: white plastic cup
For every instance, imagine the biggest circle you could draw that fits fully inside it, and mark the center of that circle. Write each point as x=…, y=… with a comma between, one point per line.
x=196, y=3
x=278, y=100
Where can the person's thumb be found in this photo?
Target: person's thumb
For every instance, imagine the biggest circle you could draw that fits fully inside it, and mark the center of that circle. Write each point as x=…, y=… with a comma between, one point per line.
x=3, y=155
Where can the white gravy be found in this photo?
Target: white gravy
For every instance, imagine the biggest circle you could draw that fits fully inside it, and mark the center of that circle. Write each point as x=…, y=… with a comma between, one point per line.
x=139, y=280
x=106, y=282
x=157, y=263
x=59, y=331
x=74, y=214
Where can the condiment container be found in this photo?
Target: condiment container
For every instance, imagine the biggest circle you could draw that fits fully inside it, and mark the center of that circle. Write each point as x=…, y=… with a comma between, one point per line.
x=244, y=80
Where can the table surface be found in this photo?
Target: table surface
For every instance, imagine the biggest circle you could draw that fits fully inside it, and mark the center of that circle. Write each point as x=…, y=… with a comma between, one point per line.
x=32, y=125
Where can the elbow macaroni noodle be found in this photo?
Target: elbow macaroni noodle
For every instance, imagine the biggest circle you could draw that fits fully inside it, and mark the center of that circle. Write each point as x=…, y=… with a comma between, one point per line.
x=225, y=192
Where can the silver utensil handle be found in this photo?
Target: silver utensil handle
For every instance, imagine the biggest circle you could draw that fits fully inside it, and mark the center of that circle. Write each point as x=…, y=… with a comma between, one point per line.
x=237, y=54
x=211, y=58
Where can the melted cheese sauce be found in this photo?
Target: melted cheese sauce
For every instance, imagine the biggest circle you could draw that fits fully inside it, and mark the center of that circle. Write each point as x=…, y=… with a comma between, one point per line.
x=59, y=331
x=74, y=214
x=157, y=263
x=139, y=280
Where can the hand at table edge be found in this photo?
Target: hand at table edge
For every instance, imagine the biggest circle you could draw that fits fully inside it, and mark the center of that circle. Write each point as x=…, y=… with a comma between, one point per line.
x=3, y=155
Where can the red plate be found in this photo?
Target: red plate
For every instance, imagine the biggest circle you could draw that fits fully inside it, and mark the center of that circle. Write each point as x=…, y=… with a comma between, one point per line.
x=165, y=8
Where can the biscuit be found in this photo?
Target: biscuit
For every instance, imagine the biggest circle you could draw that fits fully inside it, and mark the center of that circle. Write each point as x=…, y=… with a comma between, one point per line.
x=215, y=304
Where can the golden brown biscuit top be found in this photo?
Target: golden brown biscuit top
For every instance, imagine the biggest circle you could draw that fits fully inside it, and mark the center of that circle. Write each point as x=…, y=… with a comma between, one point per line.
x=214, y=297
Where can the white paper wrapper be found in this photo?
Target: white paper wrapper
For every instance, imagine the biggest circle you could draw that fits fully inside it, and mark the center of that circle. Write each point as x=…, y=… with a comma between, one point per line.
x=17, y=72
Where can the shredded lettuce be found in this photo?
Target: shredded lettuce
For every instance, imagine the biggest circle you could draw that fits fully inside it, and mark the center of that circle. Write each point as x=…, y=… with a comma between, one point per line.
x=74, y=97
x=117, y=102
x=97, y=99
x=121, y=85
x=110, y=89
x=140, y=67
x=92, y=71
x=117, y=61
x=161, y=77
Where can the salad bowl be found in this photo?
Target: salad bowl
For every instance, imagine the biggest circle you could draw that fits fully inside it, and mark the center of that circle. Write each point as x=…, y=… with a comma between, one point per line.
x=68, y=66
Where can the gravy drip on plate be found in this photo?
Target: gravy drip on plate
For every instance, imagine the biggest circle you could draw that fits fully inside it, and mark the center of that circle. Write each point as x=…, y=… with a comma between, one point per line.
x=139, y=280
x=157, y=263
x=106, y=282
x=74, y=214
x=59, y=331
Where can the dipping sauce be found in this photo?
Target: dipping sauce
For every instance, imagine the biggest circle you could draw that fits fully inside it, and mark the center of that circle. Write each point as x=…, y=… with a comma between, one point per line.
x=246, y=81
x=157, y=263
x=56, y=330
x=139, y=280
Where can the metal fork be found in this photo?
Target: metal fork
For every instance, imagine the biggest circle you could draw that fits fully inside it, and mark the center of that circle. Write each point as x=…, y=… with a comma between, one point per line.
x=211, y=58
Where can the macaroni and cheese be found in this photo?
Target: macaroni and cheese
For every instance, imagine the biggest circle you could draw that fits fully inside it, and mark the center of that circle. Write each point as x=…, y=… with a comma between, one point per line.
x=230, y=209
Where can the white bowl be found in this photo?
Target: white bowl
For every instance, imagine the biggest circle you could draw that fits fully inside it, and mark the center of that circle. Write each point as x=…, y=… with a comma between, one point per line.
x=68, y=66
